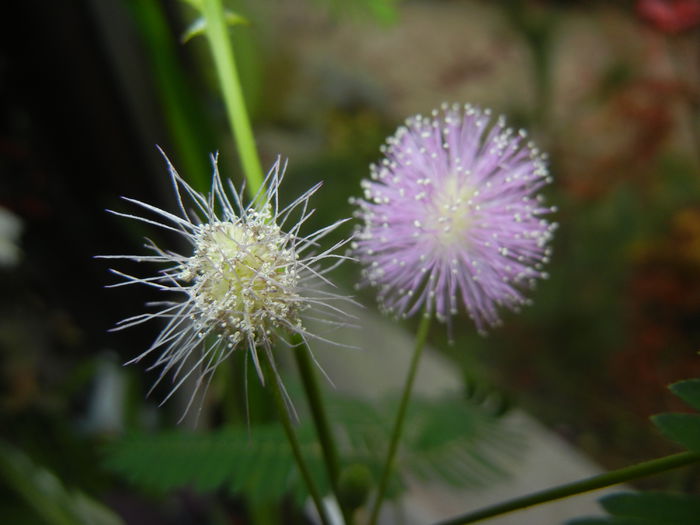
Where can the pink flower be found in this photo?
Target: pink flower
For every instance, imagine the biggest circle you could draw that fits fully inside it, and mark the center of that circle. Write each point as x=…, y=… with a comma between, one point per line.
x=450, y=217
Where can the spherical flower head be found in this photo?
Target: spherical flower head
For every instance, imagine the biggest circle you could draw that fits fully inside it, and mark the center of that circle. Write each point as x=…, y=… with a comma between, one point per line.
x=244, y=277
x=243, y=280
x=451, y=217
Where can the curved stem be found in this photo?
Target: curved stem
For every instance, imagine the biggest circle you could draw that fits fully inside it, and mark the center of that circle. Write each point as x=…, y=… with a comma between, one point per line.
x=639, y=470
x=400, y=416
x=283, y=414
x=320, y=417
x=222, y=52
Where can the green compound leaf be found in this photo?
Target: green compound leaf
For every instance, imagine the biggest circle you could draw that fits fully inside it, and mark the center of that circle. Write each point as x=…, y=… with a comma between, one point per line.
x=447, y=439
x=681, y=428
x=659, y=508
x=255, y=462
x=646, y=508
x=688, y=391
x=654, y=507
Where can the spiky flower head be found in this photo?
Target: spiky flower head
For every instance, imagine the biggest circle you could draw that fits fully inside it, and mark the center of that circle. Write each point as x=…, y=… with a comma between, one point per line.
x=451, y=217
x=242, y=280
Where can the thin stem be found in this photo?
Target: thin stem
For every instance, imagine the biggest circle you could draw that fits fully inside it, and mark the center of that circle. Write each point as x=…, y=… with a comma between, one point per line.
x=400, y=416
x=319, y=415
x=222, y=52
x=283, y=414
x=639, y=470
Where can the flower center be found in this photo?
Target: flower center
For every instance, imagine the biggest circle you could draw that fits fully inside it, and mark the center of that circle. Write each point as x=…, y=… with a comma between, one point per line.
x=244, y=276
x=449, y=213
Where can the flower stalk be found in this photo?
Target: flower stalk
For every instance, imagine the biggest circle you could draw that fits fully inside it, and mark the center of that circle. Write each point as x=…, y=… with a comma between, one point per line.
x=285, y=418
x=318, y=413
x=421, y=338
x=647, y=468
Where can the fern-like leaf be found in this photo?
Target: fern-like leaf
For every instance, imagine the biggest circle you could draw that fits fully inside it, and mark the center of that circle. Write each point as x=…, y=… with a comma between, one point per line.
x=446, y=439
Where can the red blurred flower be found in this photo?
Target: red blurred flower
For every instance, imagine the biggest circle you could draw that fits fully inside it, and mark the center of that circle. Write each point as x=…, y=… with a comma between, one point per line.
x=670, y=16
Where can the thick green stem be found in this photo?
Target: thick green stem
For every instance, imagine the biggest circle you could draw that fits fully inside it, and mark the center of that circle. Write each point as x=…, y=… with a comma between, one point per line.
x=283, y=414
x=578, y=487
x=319, y=415
x=400, y=416
x=188, y=129
x=222, y=52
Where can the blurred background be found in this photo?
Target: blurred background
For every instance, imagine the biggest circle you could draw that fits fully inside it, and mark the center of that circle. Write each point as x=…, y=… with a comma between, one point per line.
x=611, y=89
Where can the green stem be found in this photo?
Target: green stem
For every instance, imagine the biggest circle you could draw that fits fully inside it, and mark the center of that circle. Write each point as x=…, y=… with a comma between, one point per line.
x=319, y=415
x=283, y=414
x=222, y=52
x=400, y=416
x=187, y=126
x=639, y=470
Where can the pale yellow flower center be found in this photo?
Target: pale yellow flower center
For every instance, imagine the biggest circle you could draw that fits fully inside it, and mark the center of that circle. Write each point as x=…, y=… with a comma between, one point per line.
x=449, y=212
x=244, y=276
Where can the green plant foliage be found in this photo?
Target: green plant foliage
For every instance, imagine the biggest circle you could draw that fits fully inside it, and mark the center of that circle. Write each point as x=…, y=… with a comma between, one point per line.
x=439, y=444
x=688, y=391
x=654, y=506
x=255, y=462
x=658, y=508
x=646, y=508
x=44, y=493
x=683, y=428
x=447, y=439
x=199, y=25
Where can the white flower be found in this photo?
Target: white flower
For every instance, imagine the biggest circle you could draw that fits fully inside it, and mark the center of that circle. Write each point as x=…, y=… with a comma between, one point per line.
x=246, y=280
